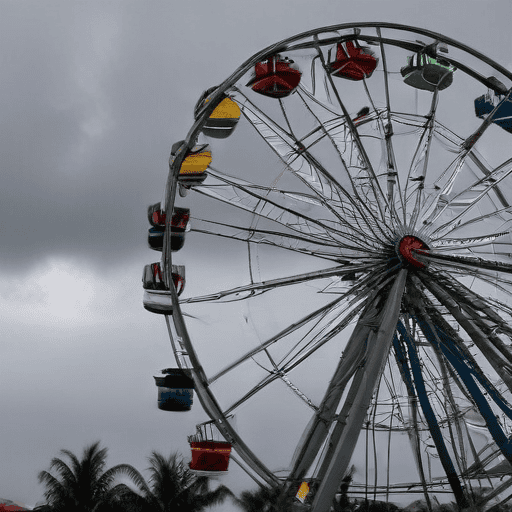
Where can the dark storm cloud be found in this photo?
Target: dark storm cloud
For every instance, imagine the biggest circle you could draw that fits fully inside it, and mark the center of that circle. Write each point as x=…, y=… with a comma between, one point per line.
x=84, y=137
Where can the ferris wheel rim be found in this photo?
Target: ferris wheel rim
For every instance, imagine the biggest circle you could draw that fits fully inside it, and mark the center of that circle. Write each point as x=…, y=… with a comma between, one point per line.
x=282, y=46
x=226, y=85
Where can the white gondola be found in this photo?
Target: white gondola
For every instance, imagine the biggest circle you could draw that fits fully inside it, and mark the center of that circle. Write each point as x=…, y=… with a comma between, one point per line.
x=157, y=297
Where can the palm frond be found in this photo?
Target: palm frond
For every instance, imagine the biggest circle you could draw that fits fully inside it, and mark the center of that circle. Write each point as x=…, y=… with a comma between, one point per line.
x=202, y=501
x=124, y=469
x=55, y=492
x=82, y=485
x=64, y=471
x=74, y=461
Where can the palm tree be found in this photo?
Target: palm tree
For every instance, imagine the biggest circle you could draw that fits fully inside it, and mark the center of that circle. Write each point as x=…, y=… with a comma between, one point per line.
x=172, y=487
x=83, y=485
x=263, y=499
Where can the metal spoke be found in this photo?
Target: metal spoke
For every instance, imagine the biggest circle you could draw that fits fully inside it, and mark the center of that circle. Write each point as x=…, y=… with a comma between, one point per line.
x=264, y=202
x=361, y=207
x=297, y=158
x=292, y=242
x=393, y=177
x=249, y=290
x=418, y=170
x=467, y=261
x=498, y=361
x=374, y=183
x=479, y=190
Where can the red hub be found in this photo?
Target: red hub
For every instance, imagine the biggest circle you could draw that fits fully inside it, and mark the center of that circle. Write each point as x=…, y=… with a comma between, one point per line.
x=407, y=250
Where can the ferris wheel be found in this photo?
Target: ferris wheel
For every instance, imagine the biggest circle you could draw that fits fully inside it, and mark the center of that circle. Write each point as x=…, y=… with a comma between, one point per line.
x=342, y=207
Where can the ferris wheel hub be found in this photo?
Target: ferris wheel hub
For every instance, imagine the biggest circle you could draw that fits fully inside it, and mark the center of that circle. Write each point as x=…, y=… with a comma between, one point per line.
x=407, y=250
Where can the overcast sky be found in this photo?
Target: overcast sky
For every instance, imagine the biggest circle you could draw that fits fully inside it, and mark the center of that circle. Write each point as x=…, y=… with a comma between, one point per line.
x=93, y=94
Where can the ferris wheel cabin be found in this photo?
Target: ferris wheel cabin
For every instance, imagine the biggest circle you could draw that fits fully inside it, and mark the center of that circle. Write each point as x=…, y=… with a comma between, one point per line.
x=210, y=456
x=175, y=389
x=502, y=117
x=427, y=73
x=276, y=77
x=179, y=223
x=193, y=168
x=223, y=120
x=157, y=297
x=353, y=62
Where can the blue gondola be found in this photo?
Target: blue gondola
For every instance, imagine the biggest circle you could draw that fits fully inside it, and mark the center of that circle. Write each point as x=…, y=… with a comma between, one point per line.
x=175, y=389
x=485, y=104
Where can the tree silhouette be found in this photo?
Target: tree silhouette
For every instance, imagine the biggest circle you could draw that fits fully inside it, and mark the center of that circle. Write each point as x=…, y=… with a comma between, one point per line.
x=263, y=499
x=172, y=487
x=83, y=485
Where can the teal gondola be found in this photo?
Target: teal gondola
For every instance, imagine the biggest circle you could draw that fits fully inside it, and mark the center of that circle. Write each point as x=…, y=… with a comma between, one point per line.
x=175, y=389
x=485, y=104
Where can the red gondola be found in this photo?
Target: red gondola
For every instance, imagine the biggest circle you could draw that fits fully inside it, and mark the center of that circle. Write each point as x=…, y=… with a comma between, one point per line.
x=276, y=77
x=209, y=455
x=152, y=278
x=156, y=216
x=179, y=220
x=353, y=62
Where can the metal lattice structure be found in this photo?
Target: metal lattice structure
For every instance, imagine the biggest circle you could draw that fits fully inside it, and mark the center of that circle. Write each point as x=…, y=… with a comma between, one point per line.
x=351, y=301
